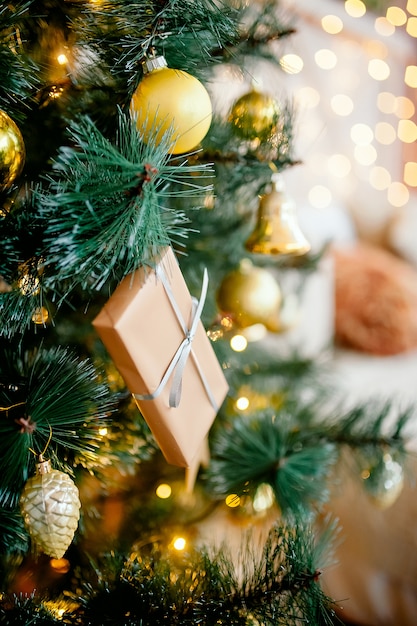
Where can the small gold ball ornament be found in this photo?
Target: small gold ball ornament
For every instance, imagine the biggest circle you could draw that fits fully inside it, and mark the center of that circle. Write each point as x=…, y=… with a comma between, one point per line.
x=12, y=151
x=171, y=100
x=250, y=295
x=50, y=507
x=254, y=115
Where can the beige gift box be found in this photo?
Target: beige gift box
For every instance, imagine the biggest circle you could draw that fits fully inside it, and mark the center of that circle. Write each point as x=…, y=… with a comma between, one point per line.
x=151, y=329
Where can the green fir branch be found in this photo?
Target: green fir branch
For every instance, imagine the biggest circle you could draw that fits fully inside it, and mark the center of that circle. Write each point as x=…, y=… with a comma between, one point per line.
x=18, y=72
x=296, y=448
x=105, y=208
x=50, y=402
x=122, y=32
x=277, y=583
x=272, y=448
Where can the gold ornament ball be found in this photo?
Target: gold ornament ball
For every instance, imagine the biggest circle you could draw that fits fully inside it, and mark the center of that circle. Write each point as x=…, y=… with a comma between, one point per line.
x=250, y=295
x=254, y=116
x=50, y=507
x=12, y=151
x=168, y=99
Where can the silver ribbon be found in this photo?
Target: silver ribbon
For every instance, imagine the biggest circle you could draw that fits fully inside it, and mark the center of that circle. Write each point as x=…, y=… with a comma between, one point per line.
x=181, y=356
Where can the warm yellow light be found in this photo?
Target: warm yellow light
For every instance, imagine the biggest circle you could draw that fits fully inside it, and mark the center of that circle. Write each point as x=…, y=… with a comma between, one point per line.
x=379, y=178
x=179, y=543
x=320, y=196
x=361, y=134
x=385, y=133
x=384, y=27
x=398, y=194
x=410, y=77
x=411, y=27
x=339, y=165
x=326, y=59
x=331, y=24
x=238, y=343
x=342, y=104
x=378, y=69
x=386, y=102
x=163, y=491
x=412, y=7
x=264, y=498
x=365, y=155
x=62, y=59
x=40, y=315
x=291, y=63
x=355, y=8
x=396, y=16
x=407, y=131
x=410, y=173
x=62, y=566
x=232, y=500
x=102, y=431
x=307, y=97
x=242, y=403
x=404, y=108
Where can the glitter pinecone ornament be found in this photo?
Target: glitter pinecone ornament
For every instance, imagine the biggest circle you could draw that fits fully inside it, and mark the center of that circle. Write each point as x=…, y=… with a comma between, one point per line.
x=50, y=507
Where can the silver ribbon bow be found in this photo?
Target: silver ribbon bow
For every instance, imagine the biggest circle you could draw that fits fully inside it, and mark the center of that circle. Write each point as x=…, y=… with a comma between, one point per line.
x=181, y=356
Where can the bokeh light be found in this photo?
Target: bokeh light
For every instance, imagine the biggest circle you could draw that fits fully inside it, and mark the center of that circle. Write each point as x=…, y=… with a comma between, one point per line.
x=332, y=24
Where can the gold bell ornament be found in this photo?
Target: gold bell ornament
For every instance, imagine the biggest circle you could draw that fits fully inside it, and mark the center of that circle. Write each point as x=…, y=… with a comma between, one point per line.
x=12, y=151
x=170, y=100
x=255, y=116
x=250, y=295
x=277, y=230
x=50, y=507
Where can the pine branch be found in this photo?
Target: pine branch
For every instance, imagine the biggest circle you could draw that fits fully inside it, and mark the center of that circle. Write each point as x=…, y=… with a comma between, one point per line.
x=278, y=584
x=106, y=210
x=18, y=72
x=121, y=32
x=295, y=450
x=271, y=448
x=49, y=400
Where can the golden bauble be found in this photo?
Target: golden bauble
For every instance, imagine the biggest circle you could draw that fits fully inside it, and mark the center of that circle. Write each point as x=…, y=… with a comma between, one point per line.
x=50, y=507
x=254, y=115
x=168, y=99
x=250, y=295
x=12, y=151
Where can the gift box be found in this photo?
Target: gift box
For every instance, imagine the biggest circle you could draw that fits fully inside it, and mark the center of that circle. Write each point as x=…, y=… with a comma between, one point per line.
x=152, y=330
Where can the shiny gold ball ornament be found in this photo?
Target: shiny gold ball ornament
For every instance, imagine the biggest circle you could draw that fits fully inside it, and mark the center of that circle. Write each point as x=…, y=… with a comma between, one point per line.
x=255, y=115
x=50, y=506
x=12, y=151
x=250, y=295
x=384, y=481
x=169, y=100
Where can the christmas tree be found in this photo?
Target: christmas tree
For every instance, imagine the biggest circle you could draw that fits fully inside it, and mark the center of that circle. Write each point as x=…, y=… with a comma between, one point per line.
x=125, y=191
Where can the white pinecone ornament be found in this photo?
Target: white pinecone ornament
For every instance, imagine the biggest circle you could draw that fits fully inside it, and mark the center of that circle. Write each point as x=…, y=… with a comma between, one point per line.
x=50, y=506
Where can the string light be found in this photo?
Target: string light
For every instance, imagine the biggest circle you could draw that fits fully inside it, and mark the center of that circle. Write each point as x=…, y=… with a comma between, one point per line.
x=242, y=403
x=355, y=8
x=238, y=343
x=292, y=63
x=410, y=173
x=232, y=500
x=332, y=24
x=163, y=491
x=179, y=543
